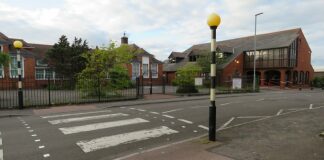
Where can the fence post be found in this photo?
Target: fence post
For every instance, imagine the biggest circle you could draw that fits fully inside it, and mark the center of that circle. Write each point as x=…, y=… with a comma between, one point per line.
x=142, y=86
x=49, y=90
x=163, y=84
x=99, y=89
x=137, y=87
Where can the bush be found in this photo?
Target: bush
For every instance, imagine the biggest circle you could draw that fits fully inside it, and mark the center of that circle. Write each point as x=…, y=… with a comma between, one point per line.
x=187, y=89
x=318, y=82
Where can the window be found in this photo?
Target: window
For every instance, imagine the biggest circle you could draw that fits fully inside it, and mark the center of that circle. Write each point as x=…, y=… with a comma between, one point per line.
x=1, y=71
x=1, y=48
x=44, y=74
x=145, y=71
x=154, y=69
x=135, y=70
x=13, y=67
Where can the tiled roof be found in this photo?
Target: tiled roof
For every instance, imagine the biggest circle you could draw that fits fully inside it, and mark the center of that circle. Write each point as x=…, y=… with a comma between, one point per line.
x=177, y=54
x=238, y=45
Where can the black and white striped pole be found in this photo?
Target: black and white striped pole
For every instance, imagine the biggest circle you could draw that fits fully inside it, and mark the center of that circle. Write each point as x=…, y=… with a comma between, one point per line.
x=19, y=45
x=213, y=22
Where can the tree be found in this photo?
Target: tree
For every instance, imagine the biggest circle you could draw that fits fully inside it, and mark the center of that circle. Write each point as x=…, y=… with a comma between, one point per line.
x=205, y=61
x=185, y=78
x=102, y=63
x=65, y=59
x=4, y=59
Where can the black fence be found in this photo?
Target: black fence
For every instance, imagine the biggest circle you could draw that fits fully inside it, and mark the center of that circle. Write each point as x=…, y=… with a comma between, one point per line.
x=226, y=87
x=65, y=91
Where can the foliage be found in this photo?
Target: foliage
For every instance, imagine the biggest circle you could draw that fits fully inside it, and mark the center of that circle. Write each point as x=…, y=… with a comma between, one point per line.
x=4, y=59
x=318, y=82
x=66, y=59
x=102, y=63
x=185, y=78
x=205, y=61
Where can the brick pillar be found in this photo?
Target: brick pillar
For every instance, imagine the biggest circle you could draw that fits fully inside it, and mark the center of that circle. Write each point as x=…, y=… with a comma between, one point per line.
x=282, y=79
x=262, y=78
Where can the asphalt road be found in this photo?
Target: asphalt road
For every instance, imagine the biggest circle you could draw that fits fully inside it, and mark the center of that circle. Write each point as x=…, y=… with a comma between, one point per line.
x=117, y=132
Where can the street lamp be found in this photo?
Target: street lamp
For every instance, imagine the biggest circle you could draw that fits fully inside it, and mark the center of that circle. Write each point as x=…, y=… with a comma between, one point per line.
x=213, y=22
x=255, y=25
x=18, y=45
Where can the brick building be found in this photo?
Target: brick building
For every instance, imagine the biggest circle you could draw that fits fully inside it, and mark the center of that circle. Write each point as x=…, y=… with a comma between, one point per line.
x=34, y=70
x=283, y=58
x=144, y=65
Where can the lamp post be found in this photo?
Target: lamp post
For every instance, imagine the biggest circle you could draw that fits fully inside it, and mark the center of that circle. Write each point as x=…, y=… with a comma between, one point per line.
x=213, y=21
x=18, y=45
x=255, y=28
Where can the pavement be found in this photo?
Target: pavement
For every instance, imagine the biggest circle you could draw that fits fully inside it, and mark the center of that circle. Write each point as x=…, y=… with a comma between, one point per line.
x=294, y=136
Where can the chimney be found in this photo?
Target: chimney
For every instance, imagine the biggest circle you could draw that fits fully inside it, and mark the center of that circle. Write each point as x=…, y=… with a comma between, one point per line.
x=124, y=39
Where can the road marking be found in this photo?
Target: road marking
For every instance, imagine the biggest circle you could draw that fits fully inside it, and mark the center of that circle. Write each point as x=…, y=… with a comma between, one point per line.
x=183, y=126
x=154, y=112
x=37, y=140
x=252, y=116
x=34, y=135
x=311, y=106
x=279, y=112
x=260, y=100
x=203, y=127
x=173, y=110
x=195, y=131
x=78, y=119
x=103, y=125
x=74, y=114
x=31, y=130
x=226, y=124
x=196, y=107
x=0, y=141
x=185, y=121
x=132, y=108
x=125, y=138
x=41, y=147
x=1, y=154
x=46, y=155
x=142, y=110
x=168, y=116
x=28, y=127
x=123, y=107
x=224, y=104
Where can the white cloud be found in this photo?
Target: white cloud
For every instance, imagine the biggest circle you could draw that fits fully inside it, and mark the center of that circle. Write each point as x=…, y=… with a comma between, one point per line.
x=162, y=26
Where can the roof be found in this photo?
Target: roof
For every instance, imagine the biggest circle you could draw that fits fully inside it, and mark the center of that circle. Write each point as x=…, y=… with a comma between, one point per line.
x=41, y=50
x=142, y=52
x=177, y=54
x=238, y=45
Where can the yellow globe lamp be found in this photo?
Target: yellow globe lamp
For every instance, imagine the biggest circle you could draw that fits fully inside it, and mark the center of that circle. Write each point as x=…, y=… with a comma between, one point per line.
x=18, y=44
x=213, y=20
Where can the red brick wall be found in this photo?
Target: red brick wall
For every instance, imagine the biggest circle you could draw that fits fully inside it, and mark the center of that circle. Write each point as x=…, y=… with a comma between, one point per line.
x=230, y=69
x=304, y=56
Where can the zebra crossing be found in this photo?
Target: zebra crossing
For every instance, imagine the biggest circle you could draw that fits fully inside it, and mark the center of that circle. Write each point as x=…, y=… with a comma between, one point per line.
x=1, y=150
x=77, y=123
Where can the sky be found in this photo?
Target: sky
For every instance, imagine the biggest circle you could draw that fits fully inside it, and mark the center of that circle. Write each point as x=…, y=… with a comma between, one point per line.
x=159, y=26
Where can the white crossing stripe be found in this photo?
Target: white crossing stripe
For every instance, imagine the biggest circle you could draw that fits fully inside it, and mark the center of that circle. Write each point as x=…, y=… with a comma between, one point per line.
x=78, y=119
x=168, y=116
x=46, y=155
x=1, y=154
x=103, y=125
x=203, y=127
x=154, y=112
x=185, y=121
x=74, y=114
x=125, y=138
x=0, y=141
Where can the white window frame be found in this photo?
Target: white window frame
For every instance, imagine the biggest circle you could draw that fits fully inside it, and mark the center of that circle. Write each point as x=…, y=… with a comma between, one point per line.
x=22, y=67
x=2, y=71
x=156, y=75
x=44, y=74
x=137, y=73
x=1, y=48
x=146, y=61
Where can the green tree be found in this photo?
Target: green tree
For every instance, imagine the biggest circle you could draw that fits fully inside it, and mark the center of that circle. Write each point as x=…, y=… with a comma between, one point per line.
x=4, y=59
x=66, y=59
x=205, y=61
x=185, y=78
x=102, y=63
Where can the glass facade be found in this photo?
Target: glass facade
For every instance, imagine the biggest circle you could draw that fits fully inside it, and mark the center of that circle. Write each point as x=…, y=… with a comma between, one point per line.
x=271, y=58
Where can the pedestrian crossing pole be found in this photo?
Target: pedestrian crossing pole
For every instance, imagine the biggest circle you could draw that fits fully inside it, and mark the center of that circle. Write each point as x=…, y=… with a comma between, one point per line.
x=19, y=45
x=213, y=22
